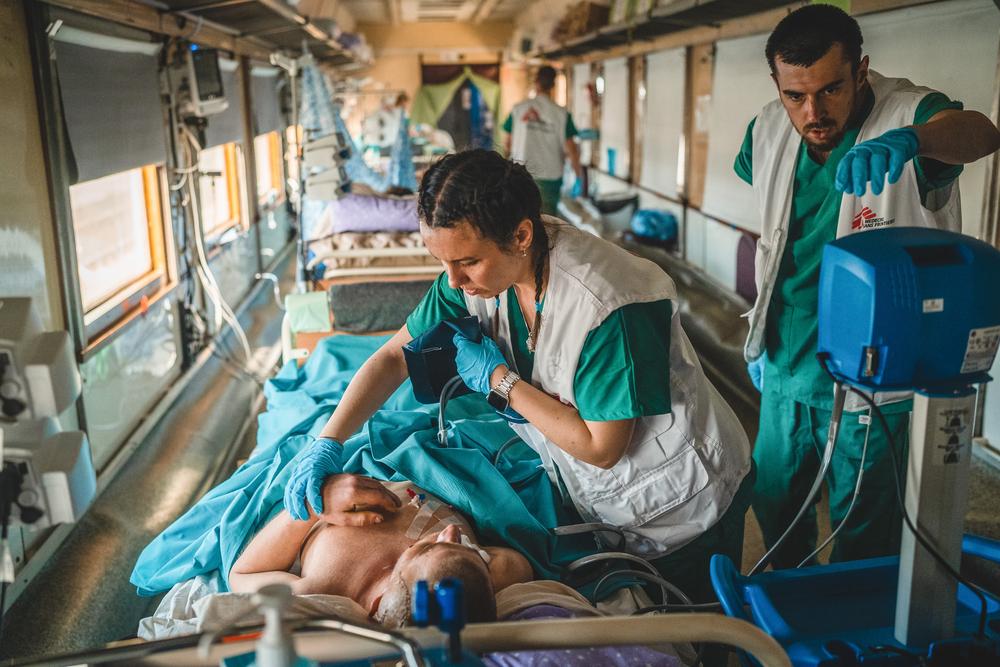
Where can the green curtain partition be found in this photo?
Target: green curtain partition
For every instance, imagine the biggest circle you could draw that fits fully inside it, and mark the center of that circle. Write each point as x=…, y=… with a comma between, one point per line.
x=432, y=100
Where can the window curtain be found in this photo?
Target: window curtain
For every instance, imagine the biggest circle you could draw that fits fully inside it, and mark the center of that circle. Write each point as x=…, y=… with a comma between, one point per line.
x=432, y=100
x=110, y=92
x=265, y=97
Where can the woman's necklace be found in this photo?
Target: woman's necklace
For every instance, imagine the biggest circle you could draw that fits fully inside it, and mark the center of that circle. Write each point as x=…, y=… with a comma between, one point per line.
x=535, y=327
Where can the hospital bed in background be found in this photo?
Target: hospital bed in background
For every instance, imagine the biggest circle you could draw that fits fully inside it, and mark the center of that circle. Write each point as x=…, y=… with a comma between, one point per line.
x=362, y=233
x=368, y=263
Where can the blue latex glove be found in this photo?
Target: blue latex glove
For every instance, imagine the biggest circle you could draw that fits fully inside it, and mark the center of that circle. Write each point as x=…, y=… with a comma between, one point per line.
x=756, y=370
x=577, y=190
x=321, y=460
x=476, y=361
x=876, y=158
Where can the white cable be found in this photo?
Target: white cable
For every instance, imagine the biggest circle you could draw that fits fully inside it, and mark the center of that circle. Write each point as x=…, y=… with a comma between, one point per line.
x=222, y=309
x=840, y=393
x=854, y=498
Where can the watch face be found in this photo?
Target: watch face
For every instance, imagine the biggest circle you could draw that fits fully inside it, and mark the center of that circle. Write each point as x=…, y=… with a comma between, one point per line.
x=496, y=401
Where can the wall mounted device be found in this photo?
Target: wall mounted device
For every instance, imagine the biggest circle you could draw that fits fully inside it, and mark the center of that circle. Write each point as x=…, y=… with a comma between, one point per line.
x=47, y=473
x=326, y=152
x=328, y=184
x=205, y=93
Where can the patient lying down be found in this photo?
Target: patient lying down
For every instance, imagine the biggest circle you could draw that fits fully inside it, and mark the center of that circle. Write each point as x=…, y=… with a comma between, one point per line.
x=372, y=543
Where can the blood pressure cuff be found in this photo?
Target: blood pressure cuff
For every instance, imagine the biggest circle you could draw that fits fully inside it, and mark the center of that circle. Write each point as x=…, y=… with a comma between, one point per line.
x=430, y=358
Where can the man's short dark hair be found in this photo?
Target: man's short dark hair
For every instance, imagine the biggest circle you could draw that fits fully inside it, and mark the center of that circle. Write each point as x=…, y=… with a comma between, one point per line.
x=546, y=77
x=808, y=33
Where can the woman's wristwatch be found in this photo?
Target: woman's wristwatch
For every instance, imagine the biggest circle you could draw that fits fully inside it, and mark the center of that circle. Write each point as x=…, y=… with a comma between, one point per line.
x=499, y=396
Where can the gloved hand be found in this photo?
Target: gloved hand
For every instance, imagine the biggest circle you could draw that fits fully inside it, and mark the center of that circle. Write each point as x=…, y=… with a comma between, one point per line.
x=306, y=483
x=872, y=160
x=577, y=190
x=476, y=361
x=756, y=370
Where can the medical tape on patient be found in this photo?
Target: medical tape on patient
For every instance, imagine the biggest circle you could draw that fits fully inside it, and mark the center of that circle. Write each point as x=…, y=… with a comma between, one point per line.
x=465, y=540
x=422, y=518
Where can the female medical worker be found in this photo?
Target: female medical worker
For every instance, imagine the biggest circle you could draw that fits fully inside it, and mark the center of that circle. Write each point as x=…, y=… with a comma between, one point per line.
x=587, y=346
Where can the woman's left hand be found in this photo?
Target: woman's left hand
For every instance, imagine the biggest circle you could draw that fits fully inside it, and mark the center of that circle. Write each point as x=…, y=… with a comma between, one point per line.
x=476, y=361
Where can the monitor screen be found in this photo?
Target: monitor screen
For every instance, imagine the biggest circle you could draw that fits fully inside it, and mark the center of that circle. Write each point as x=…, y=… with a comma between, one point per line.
x=207, y=75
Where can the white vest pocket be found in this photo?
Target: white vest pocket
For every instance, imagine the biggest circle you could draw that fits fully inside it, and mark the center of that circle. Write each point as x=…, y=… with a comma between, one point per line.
x=658, y=475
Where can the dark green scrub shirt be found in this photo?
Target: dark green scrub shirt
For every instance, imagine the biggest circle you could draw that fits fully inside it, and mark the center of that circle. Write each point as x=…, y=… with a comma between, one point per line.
x=624, y=368
x=791, y=335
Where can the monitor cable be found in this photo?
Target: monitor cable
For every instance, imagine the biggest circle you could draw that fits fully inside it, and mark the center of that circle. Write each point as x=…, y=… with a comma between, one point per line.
x=831, y=444
x=925, y=542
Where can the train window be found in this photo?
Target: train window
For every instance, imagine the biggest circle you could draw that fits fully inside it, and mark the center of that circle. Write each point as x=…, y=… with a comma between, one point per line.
x=270, y=170
x=615, y=148
x=118, y=224
x=221, y=187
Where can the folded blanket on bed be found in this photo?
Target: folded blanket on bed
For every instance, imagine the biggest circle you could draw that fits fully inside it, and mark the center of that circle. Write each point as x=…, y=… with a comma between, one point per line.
x=513, y=504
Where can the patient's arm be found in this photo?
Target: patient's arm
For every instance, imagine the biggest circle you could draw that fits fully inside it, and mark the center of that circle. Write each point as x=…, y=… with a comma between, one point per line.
x=270, y=554
x=508, y=567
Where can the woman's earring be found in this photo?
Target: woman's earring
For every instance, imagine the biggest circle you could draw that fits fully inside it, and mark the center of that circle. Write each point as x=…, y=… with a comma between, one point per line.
x=524, y=253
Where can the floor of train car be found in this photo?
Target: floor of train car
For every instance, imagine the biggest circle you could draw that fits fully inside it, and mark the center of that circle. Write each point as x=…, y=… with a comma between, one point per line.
x=111, y=535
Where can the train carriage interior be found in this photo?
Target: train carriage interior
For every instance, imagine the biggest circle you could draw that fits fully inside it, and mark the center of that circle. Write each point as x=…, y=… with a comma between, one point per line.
x=500, y=332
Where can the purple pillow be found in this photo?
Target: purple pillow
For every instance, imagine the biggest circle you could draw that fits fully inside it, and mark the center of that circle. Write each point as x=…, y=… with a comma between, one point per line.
x=364, y=213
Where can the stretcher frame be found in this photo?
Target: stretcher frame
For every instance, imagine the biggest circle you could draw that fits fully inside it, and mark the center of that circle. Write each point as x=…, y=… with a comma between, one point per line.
x=316, y=642
x=373, y=253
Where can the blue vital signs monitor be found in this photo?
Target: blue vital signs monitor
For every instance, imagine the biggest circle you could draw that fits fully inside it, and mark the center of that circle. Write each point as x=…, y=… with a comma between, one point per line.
x=909, y=307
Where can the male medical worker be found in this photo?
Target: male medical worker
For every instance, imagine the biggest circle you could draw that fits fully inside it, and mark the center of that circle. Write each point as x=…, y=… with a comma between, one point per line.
x=842, y=150
x=540, y=135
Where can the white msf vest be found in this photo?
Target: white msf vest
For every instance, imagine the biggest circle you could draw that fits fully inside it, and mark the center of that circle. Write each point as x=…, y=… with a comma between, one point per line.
x=682, y=469
x=538, y=137
x=775, y=153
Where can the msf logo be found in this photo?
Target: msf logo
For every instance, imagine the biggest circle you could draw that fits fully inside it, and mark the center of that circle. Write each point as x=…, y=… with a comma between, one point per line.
x=868, y=219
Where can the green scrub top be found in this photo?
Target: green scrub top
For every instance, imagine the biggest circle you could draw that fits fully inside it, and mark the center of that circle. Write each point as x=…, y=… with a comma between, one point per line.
x=624, y=369
x=791, y=332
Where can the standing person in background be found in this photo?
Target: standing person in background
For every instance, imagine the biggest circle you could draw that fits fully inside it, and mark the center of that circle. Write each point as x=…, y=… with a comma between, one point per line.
x=540, y=135
x=842, y=150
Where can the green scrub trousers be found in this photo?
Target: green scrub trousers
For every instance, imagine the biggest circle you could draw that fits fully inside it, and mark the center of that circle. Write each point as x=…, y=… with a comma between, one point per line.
x=788, y=452
x=551, y=192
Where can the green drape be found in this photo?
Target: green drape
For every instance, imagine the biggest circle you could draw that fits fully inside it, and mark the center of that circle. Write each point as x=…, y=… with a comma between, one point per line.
x=431, y=101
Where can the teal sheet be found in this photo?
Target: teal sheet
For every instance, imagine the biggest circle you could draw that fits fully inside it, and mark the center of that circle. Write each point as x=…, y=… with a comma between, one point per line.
x=513, y=504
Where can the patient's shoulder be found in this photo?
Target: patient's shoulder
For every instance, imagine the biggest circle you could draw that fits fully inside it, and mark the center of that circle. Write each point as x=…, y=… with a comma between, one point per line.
x=508, y=567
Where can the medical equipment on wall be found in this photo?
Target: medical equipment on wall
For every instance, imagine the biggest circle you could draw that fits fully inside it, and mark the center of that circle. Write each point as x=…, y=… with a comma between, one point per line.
x=48, y=476
x=328, y=184
x=899, y=309
x=326, y=152
x=323, y=162
x=203, y=95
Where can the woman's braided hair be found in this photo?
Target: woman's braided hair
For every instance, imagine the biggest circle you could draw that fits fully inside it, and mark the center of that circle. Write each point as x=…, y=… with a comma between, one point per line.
x=489, y=192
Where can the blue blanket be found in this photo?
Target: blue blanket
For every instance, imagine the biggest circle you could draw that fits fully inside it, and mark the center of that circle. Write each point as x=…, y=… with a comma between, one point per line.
x=512, y=504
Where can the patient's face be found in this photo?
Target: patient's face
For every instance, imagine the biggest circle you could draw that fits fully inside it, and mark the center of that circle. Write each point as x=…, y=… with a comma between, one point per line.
x=474, y=264
x=433, y=558
x=436, y=555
